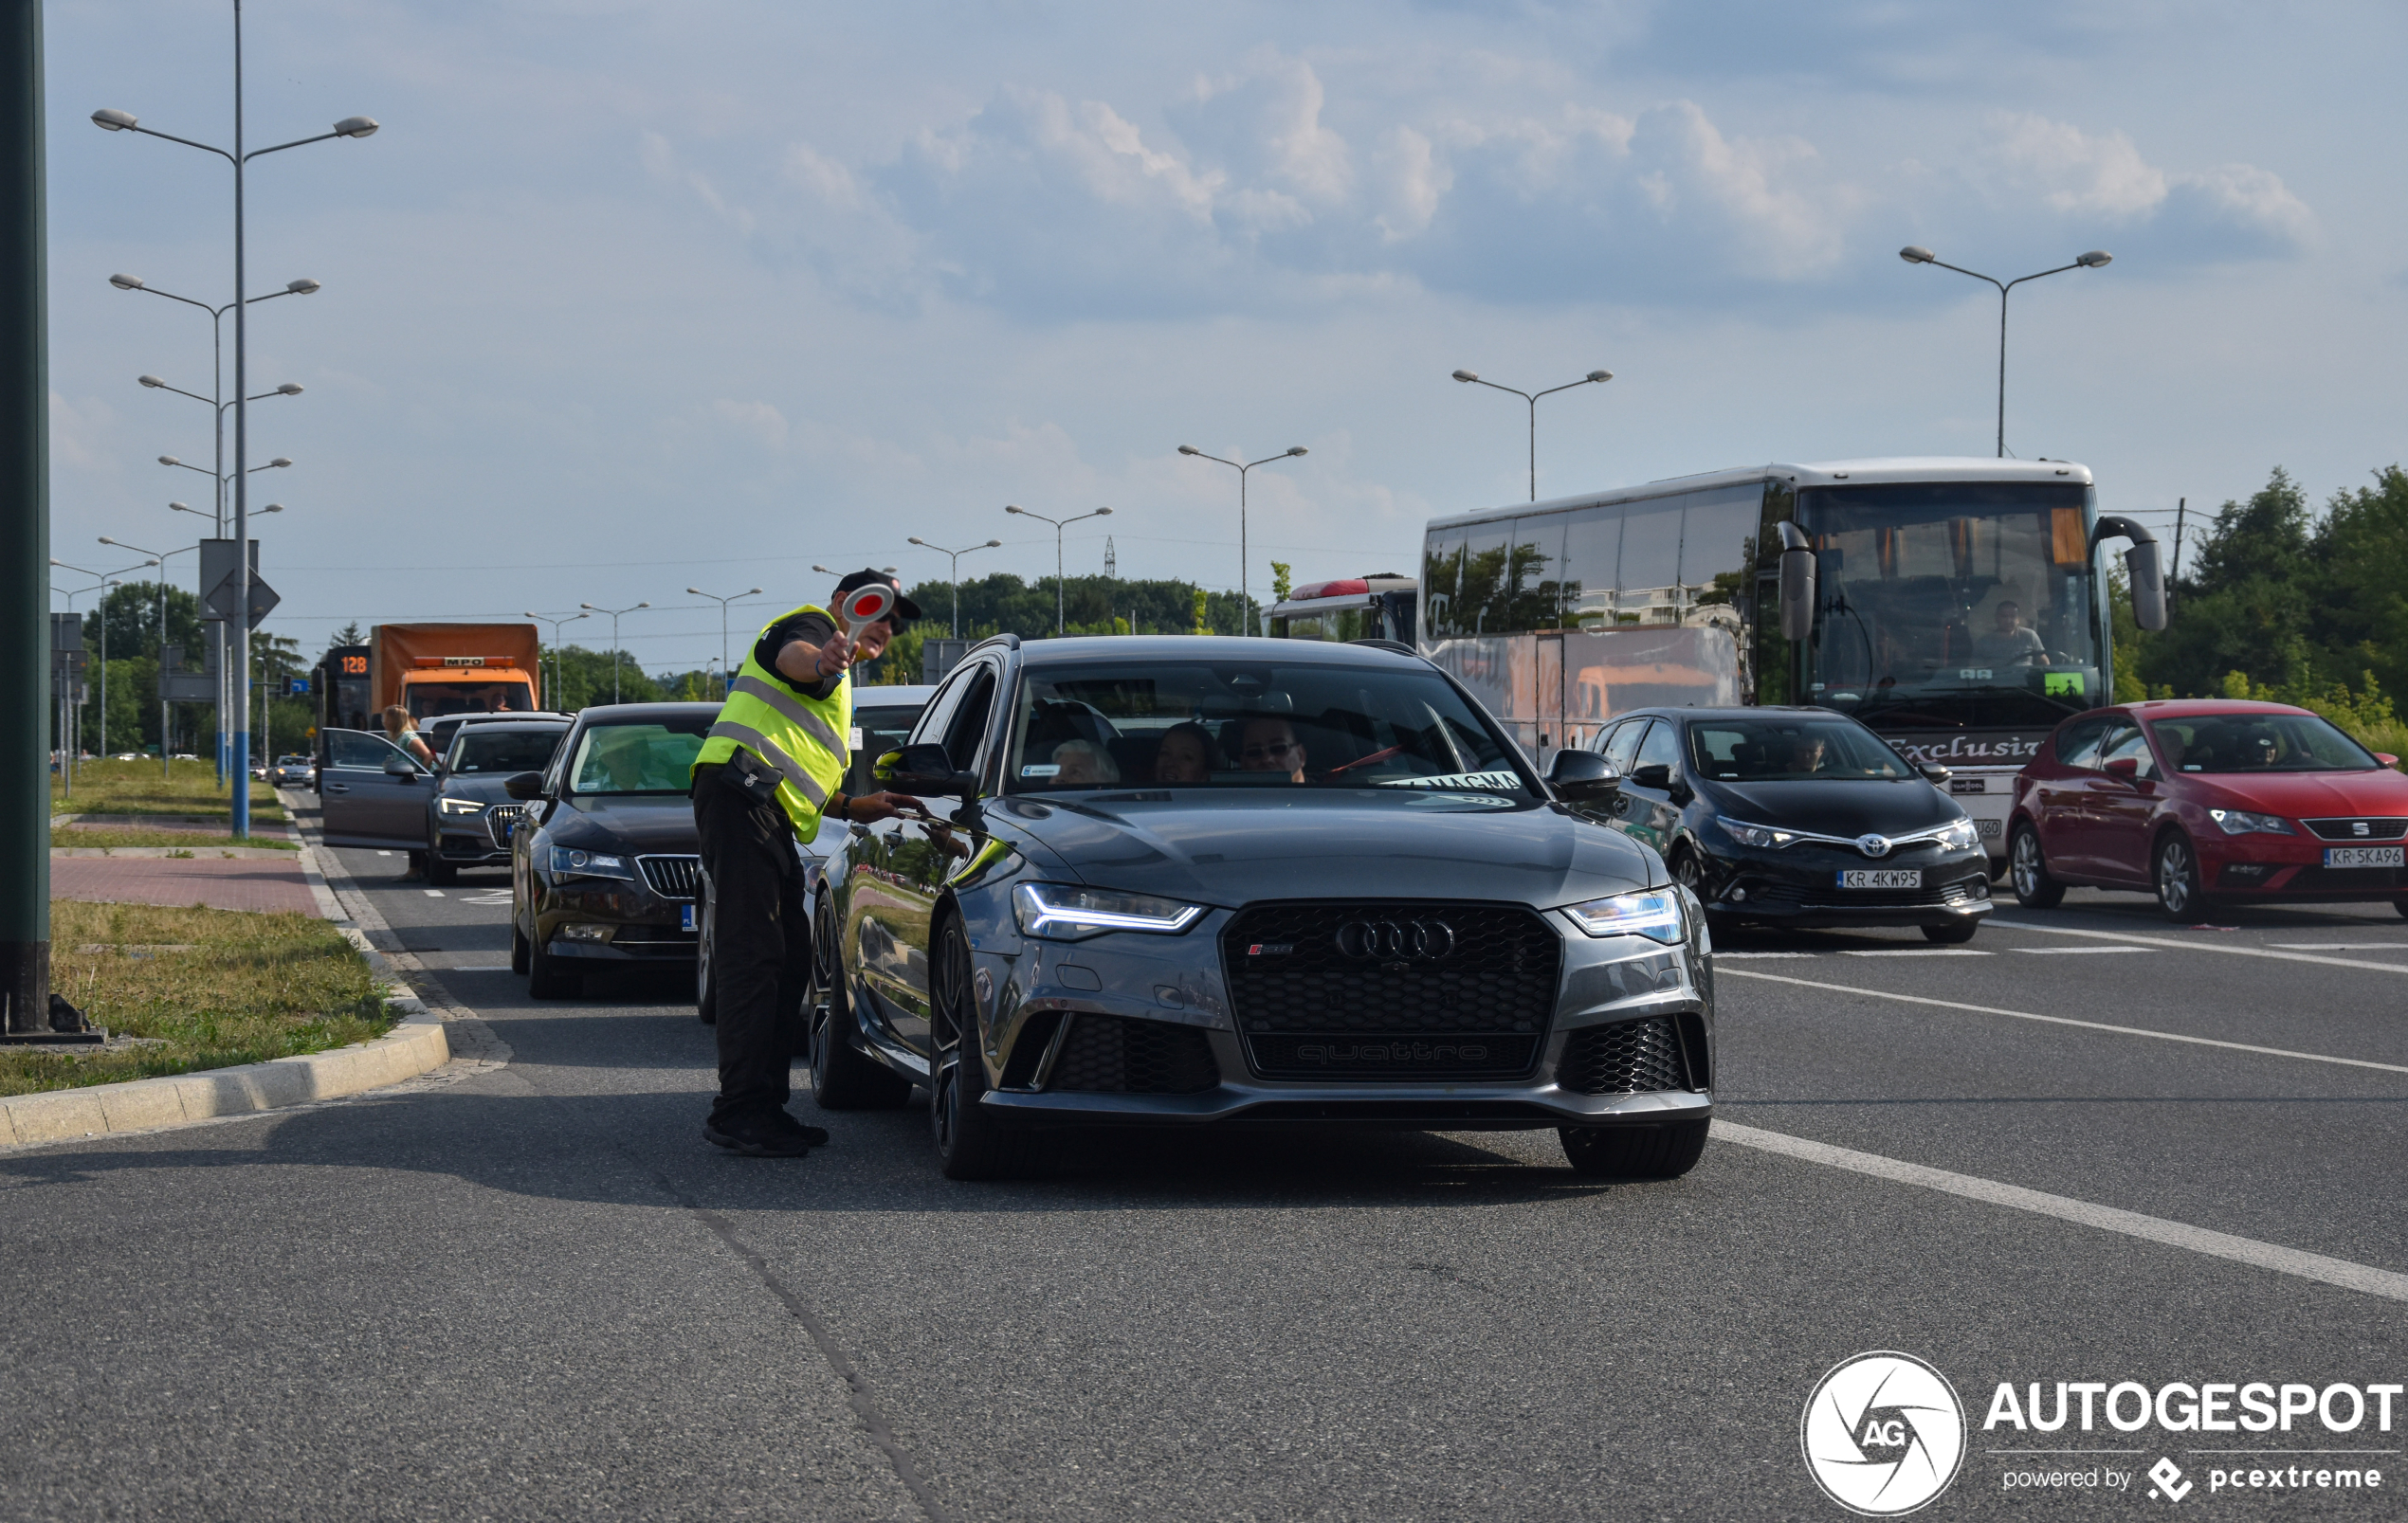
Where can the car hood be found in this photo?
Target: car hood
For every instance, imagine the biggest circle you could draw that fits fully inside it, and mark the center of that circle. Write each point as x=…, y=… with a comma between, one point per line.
x=665, y=824
x=1835, y=806
x=2301, y=795
x=484, y=788
x=1236, y=846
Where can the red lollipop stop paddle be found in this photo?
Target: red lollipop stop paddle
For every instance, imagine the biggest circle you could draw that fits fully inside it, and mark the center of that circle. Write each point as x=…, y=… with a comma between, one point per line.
x=864, y=606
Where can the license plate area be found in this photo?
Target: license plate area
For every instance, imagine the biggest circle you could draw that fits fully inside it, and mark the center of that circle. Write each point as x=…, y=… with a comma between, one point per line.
x=2367, y=855
x=1880, y=878
x=686, y=918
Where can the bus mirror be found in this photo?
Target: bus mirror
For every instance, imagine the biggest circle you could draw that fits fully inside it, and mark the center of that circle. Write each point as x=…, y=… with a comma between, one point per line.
x=1798, y=583
x=2148, y=586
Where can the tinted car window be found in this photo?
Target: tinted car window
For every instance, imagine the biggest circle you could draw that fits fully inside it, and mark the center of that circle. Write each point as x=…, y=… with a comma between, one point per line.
x=647, y=756
x=2259, y=743
x=878, y=727
x=2078, y=743
x=356, y=748
x=1785, y=749
x=1251, y=724
x=2125, y=740
x=494, y=749
x=1662, y=747
x=968, y=725
x=1625, y=739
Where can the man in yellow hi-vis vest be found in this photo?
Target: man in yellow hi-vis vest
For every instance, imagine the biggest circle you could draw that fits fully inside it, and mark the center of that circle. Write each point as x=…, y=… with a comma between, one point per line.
x=771, y=768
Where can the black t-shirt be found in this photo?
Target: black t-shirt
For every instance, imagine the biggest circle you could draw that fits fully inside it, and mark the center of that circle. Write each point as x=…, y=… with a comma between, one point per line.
x=817, y=628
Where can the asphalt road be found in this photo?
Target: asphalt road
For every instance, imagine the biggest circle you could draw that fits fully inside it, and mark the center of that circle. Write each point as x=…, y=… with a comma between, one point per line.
x=535, y=1293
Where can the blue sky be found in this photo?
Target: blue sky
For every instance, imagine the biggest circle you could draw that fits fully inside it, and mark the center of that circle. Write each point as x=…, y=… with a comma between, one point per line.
x=628, y=297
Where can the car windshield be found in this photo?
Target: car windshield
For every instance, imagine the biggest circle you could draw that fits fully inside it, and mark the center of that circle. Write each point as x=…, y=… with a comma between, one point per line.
x=2258, y=743
x=647, y=756
x=494, y=749
x=1252, y=724
x=1786, y=751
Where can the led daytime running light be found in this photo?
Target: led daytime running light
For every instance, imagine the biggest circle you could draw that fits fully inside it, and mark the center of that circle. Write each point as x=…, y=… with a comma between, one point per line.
x=1057, y=910
x=1655, y=914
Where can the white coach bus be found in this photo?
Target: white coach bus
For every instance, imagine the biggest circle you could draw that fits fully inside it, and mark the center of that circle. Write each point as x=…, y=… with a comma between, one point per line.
x=1957, y=606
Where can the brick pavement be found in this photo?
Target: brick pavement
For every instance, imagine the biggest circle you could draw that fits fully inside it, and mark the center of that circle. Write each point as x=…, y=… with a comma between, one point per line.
x=240, y=883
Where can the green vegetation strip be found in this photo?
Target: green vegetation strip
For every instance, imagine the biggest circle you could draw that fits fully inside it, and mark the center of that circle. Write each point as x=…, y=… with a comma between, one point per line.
x=210, y=989
x=200, y=841
x=137, y=788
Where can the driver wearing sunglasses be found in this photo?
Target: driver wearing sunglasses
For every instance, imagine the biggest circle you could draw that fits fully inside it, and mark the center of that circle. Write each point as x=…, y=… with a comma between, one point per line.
x=1269, y=745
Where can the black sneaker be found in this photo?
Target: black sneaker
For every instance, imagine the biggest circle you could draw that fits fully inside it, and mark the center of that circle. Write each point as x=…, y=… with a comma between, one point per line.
x=776, y=1136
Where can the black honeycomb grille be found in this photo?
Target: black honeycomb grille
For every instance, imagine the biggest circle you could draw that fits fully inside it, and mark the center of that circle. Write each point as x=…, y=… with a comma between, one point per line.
x=1628, y=1057
x=1118, y=1057
x=1472, y=995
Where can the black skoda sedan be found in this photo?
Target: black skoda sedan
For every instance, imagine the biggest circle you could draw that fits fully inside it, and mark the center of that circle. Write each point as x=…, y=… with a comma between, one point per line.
x=1797, y=817
x=603, y=866
x=470, y=811
x=1190, y=881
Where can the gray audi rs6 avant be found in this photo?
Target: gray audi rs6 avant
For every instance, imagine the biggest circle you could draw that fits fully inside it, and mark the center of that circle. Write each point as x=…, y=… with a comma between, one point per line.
x=1184, y=880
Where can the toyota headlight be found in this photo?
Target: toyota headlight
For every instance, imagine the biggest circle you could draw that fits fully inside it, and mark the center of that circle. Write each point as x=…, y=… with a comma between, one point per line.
x=451, y=807
x=1066, y=914
x=568, y=861
x=2242, y=823
x=1958, y=835
x=1761, y=836
x=1655, y=914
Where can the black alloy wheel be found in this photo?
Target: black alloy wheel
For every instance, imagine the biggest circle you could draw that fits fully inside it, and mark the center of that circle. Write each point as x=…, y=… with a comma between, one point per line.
x=972, y=1142
x=520, y=948
x=1688, y=872
x=2034, y=887
x=842, y=1077
x=2180, y=893
x=550, y=977
x=705, y=994
x=1951, y=936
x=1635, y=1152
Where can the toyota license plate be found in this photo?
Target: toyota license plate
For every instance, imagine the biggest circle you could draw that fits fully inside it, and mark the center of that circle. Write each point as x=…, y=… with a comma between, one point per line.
x=2366, y=857
x=1881, y=878
x=685, y=916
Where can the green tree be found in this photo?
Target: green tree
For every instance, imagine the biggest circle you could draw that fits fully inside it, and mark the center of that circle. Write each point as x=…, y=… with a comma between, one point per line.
x=1280, y=581
x=2247, y=605
x=2359, y=613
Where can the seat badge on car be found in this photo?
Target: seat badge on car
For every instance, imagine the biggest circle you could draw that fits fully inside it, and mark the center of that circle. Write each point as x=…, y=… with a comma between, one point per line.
x=1874, y=845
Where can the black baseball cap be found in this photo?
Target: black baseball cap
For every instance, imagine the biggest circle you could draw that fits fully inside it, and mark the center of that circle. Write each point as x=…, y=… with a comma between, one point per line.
x=871, y=576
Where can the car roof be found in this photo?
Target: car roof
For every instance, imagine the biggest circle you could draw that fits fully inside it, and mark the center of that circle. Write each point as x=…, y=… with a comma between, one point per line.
x=1735, y=711
x=1061, y=651
x=638, y=713
x=514, y=717
x=2200, y=708
x=893, y=696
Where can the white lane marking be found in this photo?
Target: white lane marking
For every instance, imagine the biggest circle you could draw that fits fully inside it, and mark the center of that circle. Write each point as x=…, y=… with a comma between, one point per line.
x=2340, y=946
x=2199, y=945
x=2078, y=952
x=472, y=970
x=2315, y=1266
x=1726, y=956
x=2063, y=1019
x=501, y=897
x=1919, y=951
x=384, y=854
x=431, y=892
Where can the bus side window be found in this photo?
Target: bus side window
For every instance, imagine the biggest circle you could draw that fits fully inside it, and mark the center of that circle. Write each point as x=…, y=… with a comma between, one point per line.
x=1592, y=545
x=1441, y=576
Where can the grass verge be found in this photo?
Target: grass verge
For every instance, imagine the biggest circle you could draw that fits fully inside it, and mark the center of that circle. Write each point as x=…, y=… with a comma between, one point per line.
x=137, y=788
x=201, y=842
x=211, y=988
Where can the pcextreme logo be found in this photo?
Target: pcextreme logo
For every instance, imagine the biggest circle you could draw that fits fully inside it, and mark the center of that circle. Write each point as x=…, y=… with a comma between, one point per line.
x=1883, y=1433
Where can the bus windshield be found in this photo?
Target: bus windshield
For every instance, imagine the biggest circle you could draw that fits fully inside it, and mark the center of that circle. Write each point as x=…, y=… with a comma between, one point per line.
x=1953, y=604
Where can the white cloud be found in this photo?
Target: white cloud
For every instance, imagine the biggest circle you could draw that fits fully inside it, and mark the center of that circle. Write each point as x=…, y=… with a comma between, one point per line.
x=2104, y=179
x=758, y=421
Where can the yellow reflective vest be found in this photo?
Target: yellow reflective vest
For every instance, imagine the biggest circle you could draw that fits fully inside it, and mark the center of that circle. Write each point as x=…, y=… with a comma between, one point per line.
x=805, y=739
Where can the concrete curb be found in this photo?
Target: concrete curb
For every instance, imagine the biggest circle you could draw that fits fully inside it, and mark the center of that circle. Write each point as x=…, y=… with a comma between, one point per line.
x=416, y=1046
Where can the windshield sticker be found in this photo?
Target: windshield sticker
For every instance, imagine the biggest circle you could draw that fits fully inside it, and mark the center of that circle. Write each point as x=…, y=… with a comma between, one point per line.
x=1041, y=770
x=1454, y=780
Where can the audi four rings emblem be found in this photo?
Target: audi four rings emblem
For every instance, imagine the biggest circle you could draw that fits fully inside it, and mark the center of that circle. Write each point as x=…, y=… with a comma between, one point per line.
x=1395, y=941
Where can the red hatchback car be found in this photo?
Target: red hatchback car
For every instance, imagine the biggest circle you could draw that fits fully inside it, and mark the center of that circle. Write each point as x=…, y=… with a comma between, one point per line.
x=2202, y=800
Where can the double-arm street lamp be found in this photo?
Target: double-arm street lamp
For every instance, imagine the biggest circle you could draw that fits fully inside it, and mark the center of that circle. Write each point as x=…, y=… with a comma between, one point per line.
x=159, y=558
x=724, y=601
x=556, y=621
x=1917, y=254
x=954, y=576
x=1245, y=600
x=1059, y=525
x=238, y=627
x=1593, y=378
x=304, y=286
x=614, y=614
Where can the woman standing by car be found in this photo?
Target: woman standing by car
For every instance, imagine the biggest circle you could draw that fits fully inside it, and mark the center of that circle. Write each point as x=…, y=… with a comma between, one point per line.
x=402, y=731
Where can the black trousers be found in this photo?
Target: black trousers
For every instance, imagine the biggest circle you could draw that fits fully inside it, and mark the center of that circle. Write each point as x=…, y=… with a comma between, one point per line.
x=760, y=944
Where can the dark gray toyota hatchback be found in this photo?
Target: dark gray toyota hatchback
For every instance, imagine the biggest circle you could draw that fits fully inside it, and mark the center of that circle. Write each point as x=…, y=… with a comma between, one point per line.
x=1188, y=880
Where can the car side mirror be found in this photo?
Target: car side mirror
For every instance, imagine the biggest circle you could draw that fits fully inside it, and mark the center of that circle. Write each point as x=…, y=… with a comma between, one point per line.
x=2386, y=758
x=1798, y=583
x=401, y=766
x=2126, y=768
x=524, y=786
x=1583, y=777
x=1934, y=773
x=1654, y=774
x=924, y=771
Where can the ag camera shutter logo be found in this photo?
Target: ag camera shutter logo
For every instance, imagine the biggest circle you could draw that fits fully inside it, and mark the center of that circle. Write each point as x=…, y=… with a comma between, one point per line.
x=1883, y=1433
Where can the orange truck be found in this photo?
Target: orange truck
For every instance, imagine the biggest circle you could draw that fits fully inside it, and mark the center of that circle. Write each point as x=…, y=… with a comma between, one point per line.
x=435, y=669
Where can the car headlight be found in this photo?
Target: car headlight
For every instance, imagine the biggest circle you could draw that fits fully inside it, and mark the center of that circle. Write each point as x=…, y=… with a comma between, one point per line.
x=460, y=806
x=568, y=861
x=1655, y=914
x=2242, y=823
x=1958, y=835
x=1755, y=835
x=1066, y=914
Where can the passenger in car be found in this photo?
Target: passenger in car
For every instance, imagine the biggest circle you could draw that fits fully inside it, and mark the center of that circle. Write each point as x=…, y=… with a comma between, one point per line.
x=1083, y=762
x=1186, y=754
x=1268, y=744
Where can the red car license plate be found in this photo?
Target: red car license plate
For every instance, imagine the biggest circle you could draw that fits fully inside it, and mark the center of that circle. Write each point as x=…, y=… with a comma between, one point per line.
x=2366, y=857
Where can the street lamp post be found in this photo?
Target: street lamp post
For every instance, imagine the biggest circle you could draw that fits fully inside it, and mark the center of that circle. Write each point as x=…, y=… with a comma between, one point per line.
x=614, y=640
x=108, y=579
x=1917, y=254
x=1245, y=600
x=954, y=576
x=166, y=713
x=556, y=622
x=724, y=601
x=1593, y=378
x=304, y=286
x=239, y=628
x=1059, y=525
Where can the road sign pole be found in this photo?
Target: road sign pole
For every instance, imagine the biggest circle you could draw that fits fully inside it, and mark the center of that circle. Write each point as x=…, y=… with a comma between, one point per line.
x=24, y=528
